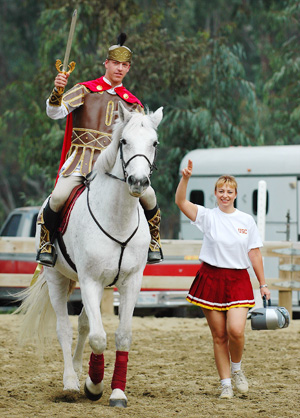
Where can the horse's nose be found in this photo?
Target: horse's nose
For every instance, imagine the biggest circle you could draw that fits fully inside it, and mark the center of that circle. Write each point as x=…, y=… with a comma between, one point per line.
x=143, y=182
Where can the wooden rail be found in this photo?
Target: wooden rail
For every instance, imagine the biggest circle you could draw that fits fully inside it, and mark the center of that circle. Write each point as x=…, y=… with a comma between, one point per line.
x=20, y=245
x=285, y=283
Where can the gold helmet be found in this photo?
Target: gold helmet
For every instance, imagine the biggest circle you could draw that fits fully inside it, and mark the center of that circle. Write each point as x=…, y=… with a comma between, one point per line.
x=120, y=52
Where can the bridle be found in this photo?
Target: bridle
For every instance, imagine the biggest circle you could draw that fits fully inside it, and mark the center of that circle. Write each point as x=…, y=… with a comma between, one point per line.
x=125, y=164
x=123, y=244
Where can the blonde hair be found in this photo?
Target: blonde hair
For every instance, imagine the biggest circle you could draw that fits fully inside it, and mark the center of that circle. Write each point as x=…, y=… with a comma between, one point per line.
x=226, y=179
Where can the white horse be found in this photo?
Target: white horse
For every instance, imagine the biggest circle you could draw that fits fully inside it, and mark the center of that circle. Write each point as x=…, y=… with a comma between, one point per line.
x=107, y=238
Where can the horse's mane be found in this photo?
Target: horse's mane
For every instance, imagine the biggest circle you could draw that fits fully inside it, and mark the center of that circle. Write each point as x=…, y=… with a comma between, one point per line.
x=107, y=158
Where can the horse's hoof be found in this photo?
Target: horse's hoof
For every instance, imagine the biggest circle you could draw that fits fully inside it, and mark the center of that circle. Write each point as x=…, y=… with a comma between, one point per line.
x=118, y=399
x=93, y=392
x=90, y=395
x=71, y=383
x=119, y=403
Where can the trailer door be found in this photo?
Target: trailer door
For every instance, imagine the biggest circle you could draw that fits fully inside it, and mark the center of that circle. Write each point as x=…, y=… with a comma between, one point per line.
x=298, y=208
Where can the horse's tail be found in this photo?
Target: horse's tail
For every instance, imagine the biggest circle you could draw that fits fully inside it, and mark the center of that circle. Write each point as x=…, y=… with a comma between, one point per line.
x=38, y=316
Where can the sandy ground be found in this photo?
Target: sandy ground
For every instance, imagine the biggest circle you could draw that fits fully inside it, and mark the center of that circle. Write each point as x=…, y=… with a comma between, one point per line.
x=171, y=373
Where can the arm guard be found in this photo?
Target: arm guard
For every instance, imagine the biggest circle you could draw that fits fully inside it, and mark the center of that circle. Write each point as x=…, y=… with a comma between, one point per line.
x=55, y=98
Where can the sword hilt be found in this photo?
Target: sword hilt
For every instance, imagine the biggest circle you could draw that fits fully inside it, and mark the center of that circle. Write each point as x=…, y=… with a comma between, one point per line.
x=59, y=67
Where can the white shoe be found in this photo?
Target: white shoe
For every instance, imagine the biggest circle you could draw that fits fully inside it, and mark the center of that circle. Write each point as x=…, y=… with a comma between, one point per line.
x=240, y=381
x=227, y=392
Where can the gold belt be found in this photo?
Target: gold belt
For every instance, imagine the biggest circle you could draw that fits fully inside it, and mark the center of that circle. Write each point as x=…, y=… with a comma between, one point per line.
x=90, y=138
x=86, y=145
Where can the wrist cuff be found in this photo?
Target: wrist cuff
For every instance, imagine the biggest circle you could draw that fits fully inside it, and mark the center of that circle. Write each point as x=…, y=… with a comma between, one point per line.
x=55, y=98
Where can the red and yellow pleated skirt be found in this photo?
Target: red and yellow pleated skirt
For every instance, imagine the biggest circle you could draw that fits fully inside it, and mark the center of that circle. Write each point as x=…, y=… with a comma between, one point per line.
x=221, y=289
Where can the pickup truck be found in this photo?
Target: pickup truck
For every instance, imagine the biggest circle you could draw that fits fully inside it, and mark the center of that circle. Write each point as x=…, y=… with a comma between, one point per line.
x=154, y=299
x=21, y=222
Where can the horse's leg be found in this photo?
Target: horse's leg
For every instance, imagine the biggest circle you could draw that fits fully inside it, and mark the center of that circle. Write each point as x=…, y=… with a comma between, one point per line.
x=83, y=331
x=58, y=291
x=123, y=337
x=91, y=297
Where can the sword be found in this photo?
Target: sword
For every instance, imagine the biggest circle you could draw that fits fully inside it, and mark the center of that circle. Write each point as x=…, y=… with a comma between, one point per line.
x=63, y=67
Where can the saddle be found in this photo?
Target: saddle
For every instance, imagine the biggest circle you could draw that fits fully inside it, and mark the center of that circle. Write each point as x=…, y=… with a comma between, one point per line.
x=64, y=221
x=67, y=209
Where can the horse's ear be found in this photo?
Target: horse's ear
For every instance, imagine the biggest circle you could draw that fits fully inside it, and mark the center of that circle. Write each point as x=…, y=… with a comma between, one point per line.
x=124, y=114
x=157, y=116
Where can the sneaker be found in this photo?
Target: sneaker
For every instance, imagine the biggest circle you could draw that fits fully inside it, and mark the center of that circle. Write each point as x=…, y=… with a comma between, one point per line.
x=227, y=392
x=240, y=381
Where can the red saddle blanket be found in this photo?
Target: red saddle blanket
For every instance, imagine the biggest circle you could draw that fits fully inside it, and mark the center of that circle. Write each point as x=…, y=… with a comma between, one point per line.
x=66, y=212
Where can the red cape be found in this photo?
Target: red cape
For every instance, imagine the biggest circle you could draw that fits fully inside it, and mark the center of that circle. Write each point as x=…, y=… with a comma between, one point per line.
x=95, y=86
x=100, y=85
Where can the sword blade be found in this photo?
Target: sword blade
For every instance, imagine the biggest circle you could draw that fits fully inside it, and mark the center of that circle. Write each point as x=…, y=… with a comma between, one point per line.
x=70, y=40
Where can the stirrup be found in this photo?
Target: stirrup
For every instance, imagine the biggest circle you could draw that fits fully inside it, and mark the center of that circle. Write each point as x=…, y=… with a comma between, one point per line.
x=155, y=257
x=45, y=258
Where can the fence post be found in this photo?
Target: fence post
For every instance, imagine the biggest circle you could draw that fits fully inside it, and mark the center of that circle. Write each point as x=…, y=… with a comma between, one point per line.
x=285, y=299
x=285, y=295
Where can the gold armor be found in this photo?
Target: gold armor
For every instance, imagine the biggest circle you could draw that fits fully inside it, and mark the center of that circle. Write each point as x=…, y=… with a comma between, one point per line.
x=119, y=53
x=92, y=125
x=55, y=98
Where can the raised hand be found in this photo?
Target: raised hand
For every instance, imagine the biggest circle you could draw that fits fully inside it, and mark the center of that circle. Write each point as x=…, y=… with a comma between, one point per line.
x=187, y=172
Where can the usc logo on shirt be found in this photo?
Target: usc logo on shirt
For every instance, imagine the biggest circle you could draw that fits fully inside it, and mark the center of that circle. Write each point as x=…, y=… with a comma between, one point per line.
x=243, y=231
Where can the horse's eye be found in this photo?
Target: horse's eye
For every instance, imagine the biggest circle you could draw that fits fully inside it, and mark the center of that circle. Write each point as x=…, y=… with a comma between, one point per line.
x=123, y=141
x=155, y=143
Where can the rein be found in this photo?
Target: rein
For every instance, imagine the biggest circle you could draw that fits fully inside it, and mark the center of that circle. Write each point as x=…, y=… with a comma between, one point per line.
x=122, y=244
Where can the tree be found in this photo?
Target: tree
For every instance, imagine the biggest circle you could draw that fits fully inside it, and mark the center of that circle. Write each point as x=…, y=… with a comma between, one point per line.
x=222, y=70
x=194, y=73
x=159, y=60
x=282, y=90
x=219, y=109
x=18, y=58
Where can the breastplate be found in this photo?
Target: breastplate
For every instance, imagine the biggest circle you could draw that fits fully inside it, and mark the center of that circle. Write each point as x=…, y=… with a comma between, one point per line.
x=93, y=121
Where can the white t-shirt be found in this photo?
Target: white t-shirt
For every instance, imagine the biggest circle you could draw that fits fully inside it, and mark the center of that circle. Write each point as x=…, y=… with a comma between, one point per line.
x=228, y=237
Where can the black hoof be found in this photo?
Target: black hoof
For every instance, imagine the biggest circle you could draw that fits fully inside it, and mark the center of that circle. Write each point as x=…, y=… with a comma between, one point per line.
x=91, y=396
x=119, y=403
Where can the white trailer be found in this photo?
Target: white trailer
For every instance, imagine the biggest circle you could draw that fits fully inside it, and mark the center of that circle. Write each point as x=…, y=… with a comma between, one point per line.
x=278, y=166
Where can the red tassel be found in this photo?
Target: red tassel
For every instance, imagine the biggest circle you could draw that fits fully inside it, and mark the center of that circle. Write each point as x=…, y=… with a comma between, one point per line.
x=96, y=369
x=120, y=372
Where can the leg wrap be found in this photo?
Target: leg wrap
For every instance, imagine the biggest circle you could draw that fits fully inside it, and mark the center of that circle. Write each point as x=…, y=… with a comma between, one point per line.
x=49, y=221
x=120, y=372
x=153, y=218
x=96, y=368
x=151, y=213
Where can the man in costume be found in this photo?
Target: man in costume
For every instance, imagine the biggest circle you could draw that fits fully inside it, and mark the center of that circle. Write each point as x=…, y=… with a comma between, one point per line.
x=91, y=109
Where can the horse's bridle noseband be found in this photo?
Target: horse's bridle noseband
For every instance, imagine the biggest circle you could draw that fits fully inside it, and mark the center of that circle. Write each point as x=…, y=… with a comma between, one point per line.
x=125, y=164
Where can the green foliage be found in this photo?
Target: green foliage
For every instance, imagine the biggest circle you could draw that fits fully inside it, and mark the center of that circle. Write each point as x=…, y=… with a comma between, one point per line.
x=226, y=73
x=19, y=61
x=282, y=89
x=219, y=109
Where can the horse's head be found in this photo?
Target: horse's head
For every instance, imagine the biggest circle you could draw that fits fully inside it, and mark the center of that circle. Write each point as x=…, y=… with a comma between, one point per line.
x=138, y=145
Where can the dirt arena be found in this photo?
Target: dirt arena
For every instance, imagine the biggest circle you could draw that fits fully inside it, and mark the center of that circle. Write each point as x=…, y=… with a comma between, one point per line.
x=171, y=373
